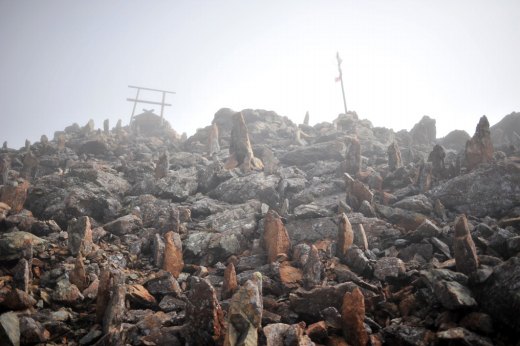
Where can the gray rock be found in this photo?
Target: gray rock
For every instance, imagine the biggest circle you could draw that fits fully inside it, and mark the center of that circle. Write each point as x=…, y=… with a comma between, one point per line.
x=124, y=225
x=453, y=295
x=9, y=329
x=418, y=203
x=301, y=156
x=12, y=244
x=311, y=230
x=252, y=186
x=357, y=261
x=389, y=267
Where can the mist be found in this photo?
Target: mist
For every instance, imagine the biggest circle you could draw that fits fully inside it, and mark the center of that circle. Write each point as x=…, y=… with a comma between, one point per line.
x=64, y=62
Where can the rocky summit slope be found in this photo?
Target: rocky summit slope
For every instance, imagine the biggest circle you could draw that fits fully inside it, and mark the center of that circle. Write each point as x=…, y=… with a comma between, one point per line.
x=259, y=231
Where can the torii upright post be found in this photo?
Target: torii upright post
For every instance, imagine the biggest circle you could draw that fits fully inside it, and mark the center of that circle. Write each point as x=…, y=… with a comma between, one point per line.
x=341, y=80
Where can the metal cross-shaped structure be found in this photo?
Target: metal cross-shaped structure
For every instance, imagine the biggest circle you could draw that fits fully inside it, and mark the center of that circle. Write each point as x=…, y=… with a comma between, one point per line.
x=136, y=100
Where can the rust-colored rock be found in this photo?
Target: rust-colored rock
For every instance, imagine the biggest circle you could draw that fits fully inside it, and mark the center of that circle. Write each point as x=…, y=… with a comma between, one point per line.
x=352, y=316
x=345, y=236
x=78, y=275
x=139, y=296
x=213, y=140
x=103, y=294
x=357, y=192
x=479, y=149
x=240, y=150
x=394, y=157
x=15, y=196
x=290, y=276
x=465, y=253
x=229, y=286
x=276, y=238
x=80, y=236
x=353, y=156
x=173, y=261
x=204, y=314
x=116, y=305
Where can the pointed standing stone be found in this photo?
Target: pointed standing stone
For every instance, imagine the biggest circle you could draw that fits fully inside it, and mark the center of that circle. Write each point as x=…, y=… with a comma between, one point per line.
x=240, y=150
x=276, y=238
x=163, y=166
x=465, y=253
x=116, y=305
x=78, y=276
x=230, y=284
x=106, y=126
x=103, y=294
x=345, y=236
x=80, y=236
x=394, y=157
x=213, y=140
x=437, y=157
x=479, y=149
x=353, y=157
x=5, y=166
x=360, y=237
x=22, y=275
x=352, y=316
x=15, y=195
x=312, y=269
x=306, y=119
x=173, y=261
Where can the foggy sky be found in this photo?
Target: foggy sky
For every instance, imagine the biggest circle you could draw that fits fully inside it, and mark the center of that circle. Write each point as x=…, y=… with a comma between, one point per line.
x=64, y=61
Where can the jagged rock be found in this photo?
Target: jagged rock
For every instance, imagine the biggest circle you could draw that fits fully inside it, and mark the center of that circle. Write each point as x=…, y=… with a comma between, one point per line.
x=436, y=157
x=424, y=132
x=345, y=236
x=357, y=192
x=290, y=277
x=158, y=247
x=204, y=314
x=353, y=315
x=17, y=299
x=424, y=181
x=301, y=156
x=178, y=185
x=499, y=294
x=353, y=156
x=213, y=141
x=479, y=149
x=9, y=329
x=312, y=268
x=80, y=236
x=139, y=296
x=32, y=332
x=173, y=260
x=417, y=203
x=464, y=250
x=408, y=220
x=66, y=293
x=115, y=309
x=489, y=191
x=464, y=336
x=394, y=157
x=478, y=322
x=124, y=225
x=404, y=335
x=22, y=275
x=453, y=295
x=360, y=237
x=13, y=244
x=15, y=195
x=253, y=186
x=78, y=275
x=163, y=284
x=276, y=239
x=163, y=166
x=357, y=261
x=245, y=313
x=455, y=140
x=240, y=151
x=230, y=285
x=427, y=229
x=154, y=212
x=389, y=267
x=5, y=166
x=279, y=334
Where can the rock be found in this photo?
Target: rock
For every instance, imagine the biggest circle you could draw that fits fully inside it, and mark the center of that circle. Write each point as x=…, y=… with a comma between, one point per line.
x=9, y=329
x=163, y=166
x=32, y=332
x=66, y=293
x=103, y=294
x=312, y=230
x=124, y=225
x=173, y=261
x=203, y=314
x=455, y=140
x=22, y=275
x=140, y=297
x=15, y=195
x=115, y=309
x=240, y=151
x=479, y=149
x=353, y=156
x=14, y=244
x=499, y=294
x=464, y=336
x=17, y=299
x=80, y=236
x=488, y=191
x=424, y=132
x=345, y=236
x=478, y=322
x=408, y=220
x=317, y=331
x=276, y=239
x=417, y=203
x=245, y=313
x=394, y=157
x=158, y=247
x=327, y=151
x=213, y=141
x=424, y=181
x=78, y=275
x=352, y=316
x=357, y=261
x=360, y=237
x=163, y=284
x=312, y=269
x=389, y=267
x=290, y=276
x=426, y=230
x=357, y=192
x=253, y=186
x=436, y=157
x=408, y=335
x=279, y=334
x=230, y=285
x=453, y=295
x=464, y=249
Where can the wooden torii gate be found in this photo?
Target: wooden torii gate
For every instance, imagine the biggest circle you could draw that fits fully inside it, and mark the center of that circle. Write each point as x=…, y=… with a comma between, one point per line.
x=136, y=100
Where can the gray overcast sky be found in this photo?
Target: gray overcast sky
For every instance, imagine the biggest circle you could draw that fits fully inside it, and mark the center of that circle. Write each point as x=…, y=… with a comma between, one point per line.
x=64, y=61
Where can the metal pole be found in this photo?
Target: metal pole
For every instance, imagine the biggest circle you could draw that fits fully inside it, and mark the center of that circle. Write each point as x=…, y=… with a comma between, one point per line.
x=162, y=105
x=341, y=80
x=135, y=105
